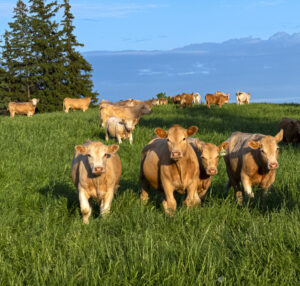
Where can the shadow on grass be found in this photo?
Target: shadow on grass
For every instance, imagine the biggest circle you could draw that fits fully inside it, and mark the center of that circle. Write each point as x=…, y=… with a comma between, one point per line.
x=59, y=190
x=221, y=120
x=274, y=201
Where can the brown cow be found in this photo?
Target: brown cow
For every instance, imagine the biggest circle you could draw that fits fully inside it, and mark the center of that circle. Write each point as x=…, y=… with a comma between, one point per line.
x=27, y=108
x=96, y=172
x=186, y=100
x=124, y=112
x=291, y=130
x=176, y=99
x=170, y=164
x=218, y=99
x=208, y=157
x=251, y=159
x=163, y=101
x=76, y=104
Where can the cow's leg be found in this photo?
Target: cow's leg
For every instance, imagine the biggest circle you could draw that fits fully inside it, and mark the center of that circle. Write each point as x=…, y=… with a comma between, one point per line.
x=67, y=109
x=247, y=185
x=169, y=202
x=144, y=196
x=119, y=138
x=84, y=205
x=191, y=198
x=130, y=138
x=106, y=134
x=106, y=201
x=12, y=114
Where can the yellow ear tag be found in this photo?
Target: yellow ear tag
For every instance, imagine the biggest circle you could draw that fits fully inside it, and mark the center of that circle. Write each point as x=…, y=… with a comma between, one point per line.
x=222, y=152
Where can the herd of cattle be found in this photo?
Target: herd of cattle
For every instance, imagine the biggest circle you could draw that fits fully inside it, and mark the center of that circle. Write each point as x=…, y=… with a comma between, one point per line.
x=172, y=161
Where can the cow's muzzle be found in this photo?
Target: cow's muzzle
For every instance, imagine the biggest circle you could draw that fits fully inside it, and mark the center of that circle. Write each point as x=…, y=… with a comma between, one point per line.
x=176, y=155
x=211, y=171
x=273, y=166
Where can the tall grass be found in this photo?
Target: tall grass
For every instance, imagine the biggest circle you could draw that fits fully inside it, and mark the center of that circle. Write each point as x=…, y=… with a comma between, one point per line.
x=44, y=242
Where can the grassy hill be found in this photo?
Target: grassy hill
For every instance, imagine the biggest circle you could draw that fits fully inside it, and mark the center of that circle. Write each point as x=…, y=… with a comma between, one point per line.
x=44, y=242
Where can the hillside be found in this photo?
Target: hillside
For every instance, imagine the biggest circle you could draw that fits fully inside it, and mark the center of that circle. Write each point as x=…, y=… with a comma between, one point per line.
x=44, y=242
x=268, y=69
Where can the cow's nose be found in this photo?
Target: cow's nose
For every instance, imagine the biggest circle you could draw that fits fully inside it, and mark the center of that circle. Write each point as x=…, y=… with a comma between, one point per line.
x=273, y=165
x=212, y=171
x=176, y=154
x=98, y=169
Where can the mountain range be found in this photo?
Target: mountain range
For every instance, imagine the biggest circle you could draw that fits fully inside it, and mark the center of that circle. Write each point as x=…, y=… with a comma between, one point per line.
x=268, y=69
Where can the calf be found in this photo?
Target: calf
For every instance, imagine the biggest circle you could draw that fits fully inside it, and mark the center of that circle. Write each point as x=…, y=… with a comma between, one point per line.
x=96, y=172
x=242, y=98
x=176, y=99
x=218, y=99
x=197, y=98
x=27, y=108
x=186, y=100
x=291, y=130
x=163, y=101
x=76, y=104
x=170, y=164
x=120, y=128
x=208, y=157
x=129, y=112
x=251, y=159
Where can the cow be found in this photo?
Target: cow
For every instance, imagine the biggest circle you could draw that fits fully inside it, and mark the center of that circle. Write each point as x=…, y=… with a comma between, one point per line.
x=197, y=98
x=27, y=108
x=251, y=159
x=218, y=99
x=124, y=103
x=242, y=98
x=291, y=130
x=76, y=104
x=176, y=99
x=120, y=128
x=170, y=164
x=96, y=172
x=155, y=101
x=163, y=101
x=208, y=157
x=124, y=112
x=186, y=100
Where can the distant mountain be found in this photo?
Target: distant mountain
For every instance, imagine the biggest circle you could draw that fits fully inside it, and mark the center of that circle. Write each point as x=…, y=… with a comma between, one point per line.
x=268, y=69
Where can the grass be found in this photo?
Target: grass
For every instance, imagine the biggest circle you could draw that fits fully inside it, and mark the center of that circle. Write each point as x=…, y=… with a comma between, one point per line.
x=44, y=242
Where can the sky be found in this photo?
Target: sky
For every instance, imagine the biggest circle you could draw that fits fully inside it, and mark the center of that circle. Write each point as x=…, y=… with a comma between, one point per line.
x=167, y=24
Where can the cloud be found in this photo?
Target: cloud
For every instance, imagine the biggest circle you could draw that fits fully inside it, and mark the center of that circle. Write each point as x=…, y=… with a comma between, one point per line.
x=148, y=72
x=186, y=73
x=97, y=11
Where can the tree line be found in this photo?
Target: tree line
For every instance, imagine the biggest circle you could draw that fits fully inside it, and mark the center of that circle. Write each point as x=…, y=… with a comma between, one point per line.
x=39, y=57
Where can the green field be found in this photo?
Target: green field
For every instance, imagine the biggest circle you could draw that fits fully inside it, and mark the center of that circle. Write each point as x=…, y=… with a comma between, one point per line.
x=44, y=242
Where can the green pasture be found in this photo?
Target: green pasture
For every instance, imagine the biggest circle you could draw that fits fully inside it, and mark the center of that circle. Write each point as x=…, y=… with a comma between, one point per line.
x=44, y=242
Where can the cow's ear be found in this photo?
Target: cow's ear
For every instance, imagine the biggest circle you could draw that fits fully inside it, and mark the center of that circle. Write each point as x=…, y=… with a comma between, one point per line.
x=192, y=130
x=112, y=149
x=279, y=136
x=223, y=146
x=136, y=121
x=81, y=149
x=199, y=144
x=254, y=144
x=123, y=120
x=161, y=133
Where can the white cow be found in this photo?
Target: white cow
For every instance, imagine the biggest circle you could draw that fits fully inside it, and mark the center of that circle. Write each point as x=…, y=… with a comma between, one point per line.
x=197, y=97
x=242, y=97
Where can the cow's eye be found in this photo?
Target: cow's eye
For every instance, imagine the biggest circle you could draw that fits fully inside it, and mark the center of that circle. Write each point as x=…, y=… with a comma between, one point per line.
x=168, y=140
x=183, y=139
x=89, y=155
x=262, y=151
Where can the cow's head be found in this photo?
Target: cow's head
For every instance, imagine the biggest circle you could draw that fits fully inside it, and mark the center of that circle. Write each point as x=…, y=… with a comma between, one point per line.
x=34, y=101
x=130, y=124
x=97, y=154
x=177, y=139
x=268, y=149
x=209, y=156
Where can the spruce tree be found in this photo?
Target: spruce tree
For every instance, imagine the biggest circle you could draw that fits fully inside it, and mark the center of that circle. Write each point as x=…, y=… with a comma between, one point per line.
x=8, y=76
x=78, y=71
x=48, y=69
x=21, y=39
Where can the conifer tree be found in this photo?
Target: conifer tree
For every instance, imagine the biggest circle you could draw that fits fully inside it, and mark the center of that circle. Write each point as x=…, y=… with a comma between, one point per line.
x=48, y=69
x=78, y=71
x=22, y=57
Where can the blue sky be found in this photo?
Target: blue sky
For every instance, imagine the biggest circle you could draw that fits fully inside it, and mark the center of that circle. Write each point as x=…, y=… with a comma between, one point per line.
x=167, y=24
